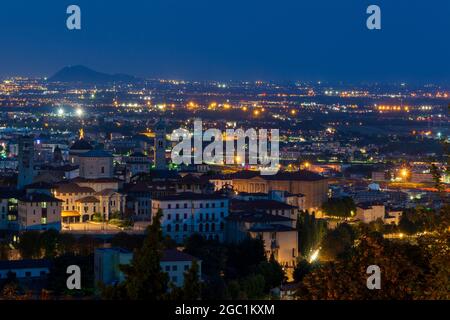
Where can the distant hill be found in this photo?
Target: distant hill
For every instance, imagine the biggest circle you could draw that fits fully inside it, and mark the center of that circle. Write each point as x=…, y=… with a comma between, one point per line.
x=86, y=75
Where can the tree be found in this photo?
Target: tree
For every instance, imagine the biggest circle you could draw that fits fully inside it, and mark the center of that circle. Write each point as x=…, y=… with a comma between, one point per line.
x=436, y=174
x=340, y=207
x=310, y=232
x=337, y=242
x=126, y=241
x=192, y=286
x=244, y=257
x=301, y=270
x=253, y=286
x=49, y=240
x=67, y=243
x=144, y=279
x=345, y=279
x=436, y=250
x=29, y=245
x=272, y=272
x=212, y=253
x=4, y=251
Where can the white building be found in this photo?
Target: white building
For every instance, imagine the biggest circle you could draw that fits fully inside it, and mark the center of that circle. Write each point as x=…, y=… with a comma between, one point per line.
x=137, y=163
x=173, y=262
x=176, y=263
x=96, y=164
x=24, y=269
x=370, y=212
x=38, y=211
x=187, y=213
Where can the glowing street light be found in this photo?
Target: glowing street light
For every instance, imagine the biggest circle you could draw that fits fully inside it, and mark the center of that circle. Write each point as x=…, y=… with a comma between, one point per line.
x=60, y=112
x=79, y=112
x=313, y=257
x=404, y=173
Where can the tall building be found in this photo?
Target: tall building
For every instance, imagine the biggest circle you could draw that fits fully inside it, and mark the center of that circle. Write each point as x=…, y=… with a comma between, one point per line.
x=26, y=161
x=96, y=164
x=79, y=147
x=160, y=146
x=313, y=186
x=187, y=213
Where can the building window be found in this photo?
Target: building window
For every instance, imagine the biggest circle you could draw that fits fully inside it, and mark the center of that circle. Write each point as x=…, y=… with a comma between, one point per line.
x=184, y=227
x=177, y=228
x=177, y=206
x=185, y=205
x=167, y=268
x=174, y=279
x=174, y=268
x=103, y=169
x=28, y=274
x=169, y=228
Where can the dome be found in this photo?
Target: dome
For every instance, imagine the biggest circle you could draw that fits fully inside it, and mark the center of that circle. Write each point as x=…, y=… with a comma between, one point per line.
x=81, y=145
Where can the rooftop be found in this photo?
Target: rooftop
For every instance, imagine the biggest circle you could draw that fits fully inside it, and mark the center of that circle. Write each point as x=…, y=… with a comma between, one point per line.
x=96, y=154
x=81, y=145
x=24, y=264
x=176, y=255
x=190, y=196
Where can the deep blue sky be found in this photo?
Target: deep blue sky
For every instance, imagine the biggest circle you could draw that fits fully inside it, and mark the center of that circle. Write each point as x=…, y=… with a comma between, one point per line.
x=231, y=39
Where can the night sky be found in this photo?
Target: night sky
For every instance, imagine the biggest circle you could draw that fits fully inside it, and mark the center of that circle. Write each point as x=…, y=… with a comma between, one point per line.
x=231, y=39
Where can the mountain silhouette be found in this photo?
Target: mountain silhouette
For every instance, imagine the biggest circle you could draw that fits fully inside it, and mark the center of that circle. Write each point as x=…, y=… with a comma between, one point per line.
x=86, y=75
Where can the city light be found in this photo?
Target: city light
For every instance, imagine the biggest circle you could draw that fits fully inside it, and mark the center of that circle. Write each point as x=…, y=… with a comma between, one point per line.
x=313, y=257
x=60, y=111
x=404, y=173
x=79, y=112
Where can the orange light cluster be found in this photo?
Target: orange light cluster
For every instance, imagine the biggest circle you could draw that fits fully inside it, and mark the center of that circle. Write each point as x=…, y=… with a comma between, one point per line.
x=393, y=108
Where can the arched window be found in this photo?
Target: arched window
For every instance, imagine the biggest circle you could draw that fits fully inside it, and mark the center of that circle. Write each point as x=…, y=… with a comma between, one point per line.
x=206, y=227
x=213, y=227
x=184, y=227
x=169, y=228
x=177, y=228
x=200, y=227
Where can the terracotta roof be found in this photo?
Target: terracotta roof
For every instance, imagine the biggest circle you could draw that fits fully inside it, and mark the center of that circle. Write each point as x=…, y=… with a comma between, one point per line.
x=302, y=175
x=38, y=197
x=190, y=196
x=96, y=154
x=88, y=199
x=271, y=228
x=256, y=217
x=176, y=255
x=260, y=205
x=73, y=188
x=81, y=145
